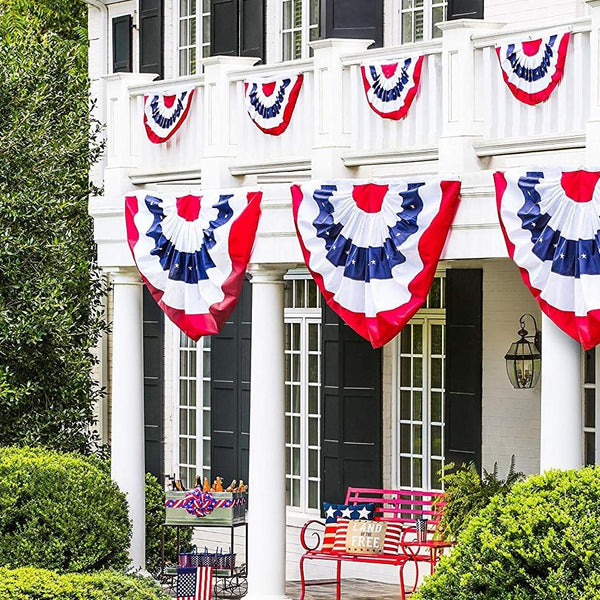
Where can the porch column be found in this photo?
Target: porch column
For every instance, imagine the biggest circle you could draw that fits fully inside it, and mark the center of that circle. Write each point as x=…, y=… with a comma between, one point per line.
x=266, y=545
x=127, y=444
x=561, y=444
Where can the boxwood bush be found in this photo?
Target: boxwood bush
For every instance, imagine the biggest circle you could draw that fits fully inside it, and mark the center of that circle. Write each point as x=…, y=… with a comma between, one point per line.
x=541, y=541
x=29, y=583
x=60, y=511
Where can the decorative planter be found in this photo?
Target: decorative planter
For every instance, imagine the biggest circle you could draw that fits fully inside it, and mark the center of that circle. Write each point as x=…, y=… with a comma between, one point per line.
x=230, y=509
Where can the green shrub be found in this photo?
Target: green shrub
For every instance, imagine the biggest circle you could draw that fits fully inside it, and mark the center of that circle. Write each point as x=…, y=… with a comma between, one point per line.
x=467, y=492
x=540, y=541
x=60, y=511
x=155, y=517
x=39, y=584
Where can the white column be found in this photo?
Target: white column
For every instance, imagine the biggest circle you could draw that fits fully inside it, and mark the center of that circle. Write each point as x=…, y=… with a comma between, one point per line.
x=561, y=444
x=127, y=444
x=266, y=545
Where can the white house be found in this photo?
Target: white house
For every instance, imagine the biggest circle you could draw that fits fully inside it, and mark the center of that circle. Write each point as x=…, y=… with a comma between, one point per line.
x=286, y=397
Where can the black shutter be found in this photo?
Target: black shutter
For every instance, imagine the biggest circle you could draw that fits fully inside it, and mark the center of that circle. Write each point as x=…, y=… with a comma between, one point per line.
x=465, y=9
x=230, y=392
x=121, y=44
x=351, y=411
x=464, y=300
x=151, y=37
x=358, y=19
x=154, y=354
x=224, y=27
x=252, y=28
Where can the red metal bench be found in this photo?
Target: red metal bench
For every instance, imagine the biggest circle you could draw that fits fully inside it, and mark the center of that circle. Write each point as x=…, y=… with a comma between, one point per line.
x=395, y=506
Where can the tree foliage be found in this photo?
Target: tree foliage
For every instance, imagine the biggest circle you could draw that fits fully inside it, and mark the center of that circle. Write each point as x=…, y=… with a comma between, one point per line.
x=50, y=289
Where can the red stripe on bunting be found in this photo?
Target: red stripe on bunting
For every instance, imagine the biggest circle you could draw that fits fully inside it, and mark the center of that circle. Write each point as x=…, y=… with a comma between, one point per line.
x=155, y=139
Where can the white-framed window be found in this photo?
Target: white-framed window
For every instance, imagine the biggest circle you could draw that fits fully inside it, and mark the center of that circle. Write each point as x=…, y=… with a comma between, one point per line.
x=300, y=25
x=420, y=394
x=302, y=394
x=418, y=19
x=193, y=416
x=591, y=416
x=193, y=34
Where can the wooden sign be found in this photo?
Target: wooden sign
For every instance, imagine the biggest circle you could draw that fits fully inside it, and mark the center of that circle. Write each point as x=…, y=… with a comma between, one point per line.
x=365, y=537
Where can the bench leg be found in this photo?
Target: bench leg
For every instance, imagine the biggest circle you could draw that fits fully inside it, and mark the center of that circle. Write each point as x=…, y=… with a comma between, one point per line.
x=302, y=583
x=402, y=585
x=338, y=585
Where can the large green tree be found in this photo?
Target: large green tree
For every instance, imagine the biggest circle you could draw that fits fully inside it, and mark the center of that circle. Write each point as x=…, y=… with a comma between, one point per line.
x=50, y=289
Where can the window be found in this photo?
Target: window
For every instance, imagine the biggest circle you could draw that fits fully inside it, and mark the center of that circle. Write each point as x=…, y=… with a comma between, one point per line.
x=421, y=360
x=302, y=397
x=194, y=34
x=194, y=409
x=590, y=418
x=419, y=19
x=300, y=26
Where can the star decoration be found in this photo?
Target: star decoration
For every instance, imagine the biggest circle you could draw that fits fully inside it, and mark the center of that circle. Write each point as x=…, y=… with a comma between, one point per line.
x=584, y=255
x=364, y=513
x=373, y=262
x=353, y=262
x=347, y=513
x=330, y=512
x=562, y=255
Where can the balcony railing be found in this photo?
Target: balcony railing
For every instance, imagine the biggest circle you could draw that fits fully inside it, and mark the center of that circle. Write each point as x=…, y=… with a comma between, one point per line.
x=462, y=94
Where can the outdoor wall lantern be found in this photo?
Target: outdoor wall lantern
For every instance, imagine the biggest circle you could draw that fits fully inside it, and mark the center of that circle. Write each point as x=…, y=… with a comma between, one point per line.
x=524, y=358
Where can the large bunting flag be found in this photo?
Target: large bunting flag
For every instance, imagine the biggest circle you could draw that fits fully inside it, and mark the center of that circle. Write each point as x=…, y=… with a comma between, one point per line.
x=192, y=252
x=164, y=114
x=534, y=68
x=391, y=87
x=373, y=247
x=271, y=103
x=551, y=224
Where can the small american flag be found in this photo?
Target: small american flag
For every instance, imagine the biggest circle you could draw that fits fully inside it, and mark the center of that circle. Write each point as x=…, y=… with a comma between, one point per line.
x=194, y=583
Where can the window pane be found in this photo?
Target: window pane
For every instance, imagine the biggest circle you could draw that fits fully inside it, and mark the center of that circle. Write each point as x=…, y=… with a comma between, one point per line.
x=405, y=438
x=206, y=453
x=416, y=479
x=183, y=363
x=288, y=430
x=436, y=481
x=192, y=422
x=206, y=393
x=288, y=336
x=183, y=392
x=296, y=398
x=417, y=339
x=206, y=6
x=296, y=492
x=313, y=494
x=192, y=363
x=436, y=440
x=314, y=12
x=405, y=374
x=206, y=364
x=296, y=336
x=183, y=454
x=183, y=62
x=297, y=13
x=314, y=35
x=405, y=405
x=296, y=367
x=288, y=398
x=297, y=44
x=313, y=432
x=436, y=406
x=590, y=408
x=299, y=293
x=287, y=14
x=206, y=30
x=437, y=17
x=313, y=368
x=183, y=8
x=436, y=339
x=407, y=32
x=417, y=406
x=417, y=439
x=435, y=294
x=313, y=293
x=590, y=369
x=288, y=492
x=436, y=373
x=184, y=38
x=313, y=463
x=418, y=372
x=313, y=337
x=288, y=367
x=590, y=448
x=405, y=340
x=296, y=430
x=192, y=453
x=192, y=392
x=296, y=461
x=418, y=25
x=405, y=476
x=183, y=428
x=205, y=420
x=313, y=399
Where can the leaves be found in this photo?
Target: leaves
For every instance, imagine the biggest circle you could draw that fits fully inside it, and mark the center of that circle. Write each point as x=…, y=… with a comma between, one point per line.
x=51, y=293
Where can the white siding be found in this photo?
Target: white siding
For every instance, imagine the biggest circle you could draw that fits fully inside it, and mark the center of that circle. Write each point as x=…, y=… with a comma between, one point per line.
x=538, y=12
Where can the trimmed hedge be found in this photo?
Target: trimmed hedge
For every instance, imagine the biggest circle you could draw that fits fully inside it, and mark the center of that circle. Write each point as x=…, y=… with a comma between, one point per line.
x=540, y=541
x=39, y=584
x=60, y=511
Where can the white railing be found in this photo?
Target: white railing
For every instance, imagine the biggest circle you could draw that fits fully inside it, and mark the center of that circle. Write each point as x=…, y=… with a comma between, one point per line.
x=564, y=114
x=255, y=147
x=181, y=153
x=421, y=128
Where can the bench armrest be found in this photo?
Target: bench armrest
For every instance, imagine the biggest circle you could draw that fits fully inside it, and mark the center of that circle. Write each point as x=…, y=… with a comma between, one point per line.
x=315, y=534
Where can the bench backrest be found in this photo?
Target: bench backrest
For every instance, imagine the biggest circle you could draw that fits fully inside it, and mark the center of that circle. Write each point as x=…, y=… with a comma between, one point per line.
x=400, y=506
